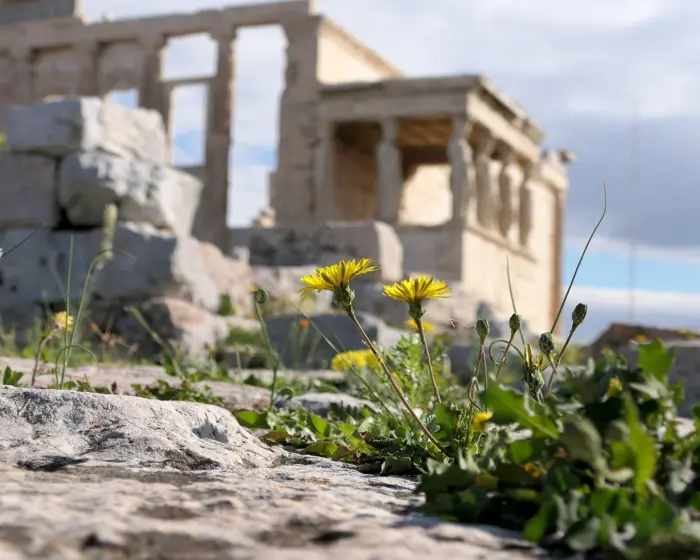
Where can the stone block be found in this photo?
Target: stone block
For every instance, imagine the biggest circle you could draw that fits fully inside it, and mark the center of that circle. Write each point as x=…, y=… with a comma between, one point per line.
x=304, y=348
x=323, y=245
x=59, y=126
x=144, y=191
x=27, y=191
x=158, y=264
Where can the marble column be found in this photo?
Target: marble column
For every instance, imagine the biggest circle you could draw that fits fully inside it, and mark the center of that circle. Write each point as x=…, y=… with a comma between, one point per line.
x=151, y=87
x=210, y=221
x=525, y=208
x=484, y=179
x=506, y=191
x=390, y=173
x=324, y=184
x=460, y=158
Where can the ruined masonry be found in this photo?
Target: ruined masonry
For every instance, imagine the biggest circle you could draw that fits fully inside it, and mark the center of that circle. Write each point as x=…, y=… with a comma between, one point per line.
x=67, y=160
x=446, y=176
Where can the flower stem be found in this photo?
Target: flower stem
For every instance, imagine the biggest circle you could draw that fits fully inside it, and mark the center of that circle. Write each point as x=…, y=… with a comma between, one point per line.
x=421, y=333
x=563, y=349
x=553, y=375
x=505, y=356
x=351, y=313
x=39, y=348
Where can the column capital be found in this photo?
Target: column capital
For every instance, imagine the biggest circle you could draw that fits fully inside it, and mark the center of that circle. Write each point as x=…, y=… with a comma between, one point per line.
x=486, y=142
x=461, y=126
x=390, y=128
x=224, y=33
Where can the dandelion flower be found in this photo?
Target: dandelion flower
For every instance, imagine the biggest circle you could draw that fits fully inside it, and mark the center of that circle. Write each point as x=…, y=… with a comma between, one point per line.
x=480, y=418
x=414, y=291
x=336, y=278
x=358, y=359
x=62, y=321
x=427, y=327
x=534, y=470
x=614, y=387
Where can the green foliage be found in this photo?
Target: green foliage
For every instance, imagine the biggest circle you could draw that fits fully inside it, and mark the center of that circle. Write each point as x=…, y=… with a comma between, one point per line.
x=588, y=469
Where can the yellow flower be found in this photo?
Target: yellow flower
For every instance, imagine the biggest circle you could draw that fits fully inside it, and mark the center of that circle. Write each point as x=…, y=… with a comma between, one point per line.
x=427, y=327
x=614, y=387
x=336, y=278
x=415, y=290
x=535, y=471
x=480, y=418
x=641, y=338
x=358, y=359
x=62, y=321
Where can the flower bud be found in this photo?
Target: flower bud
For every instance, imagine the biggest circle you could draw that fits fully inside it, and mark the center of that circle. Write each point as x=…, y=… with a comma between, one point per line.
x=482, y=329
x=515, y=323
x=546, y=343
x=579, y=314
x=261, y=296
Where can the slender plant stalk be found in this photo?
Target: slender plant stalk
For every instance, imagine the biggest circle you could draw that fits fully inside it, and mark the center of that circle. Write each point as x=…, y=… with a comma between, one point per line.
x=566, y=344
x=583, y=254
x=65, y=331
x=505, y=355
x=37, y=359
x=270, y=351
x=554, y=374
x=421, y=333
x=397, y=389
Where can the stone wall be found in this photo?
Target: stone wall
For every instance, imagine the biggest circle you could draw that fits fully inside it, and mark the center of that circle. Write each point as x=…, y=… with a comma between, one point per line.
x=68, y=160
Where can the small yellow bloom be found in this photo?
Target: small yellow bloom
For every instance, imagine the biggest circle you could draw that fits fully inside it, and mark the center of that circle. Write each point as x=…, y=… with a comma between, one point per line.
x=336, y=277
x=358, y=359
x=427, y=327
x=62, y=321
x=416, y=290
x=641, y=338
x=534, y=470
x=480, y=418
x=614, y=387
x=303, y=323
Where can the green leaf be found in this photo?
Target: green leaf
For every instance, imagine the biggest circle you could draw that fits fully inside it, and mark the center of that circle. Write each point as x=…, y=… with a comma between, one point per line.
x=447, y=422
x=584, y=535
x=582, y=440
x=521, y=451
x=322, y=449
x=642, y=445
x=511, y=407
x=252, y=420
x=539, y=525
x=655, y=359
x=321, y=426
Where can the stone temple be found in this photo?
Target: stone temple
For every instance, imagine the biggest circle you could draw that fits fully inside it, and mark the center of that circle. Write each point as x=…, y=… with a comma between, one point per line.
x=445, y=176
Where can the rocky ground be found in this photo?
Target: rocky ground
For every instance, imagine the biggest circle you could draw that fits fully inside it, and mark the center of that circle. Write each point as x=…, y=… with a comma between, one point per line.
x=85, y=475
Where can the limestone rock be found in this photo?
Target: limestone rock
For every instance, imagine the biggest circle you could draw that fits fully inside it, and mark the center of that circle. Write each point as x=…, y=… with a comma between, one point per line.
x=160, y=264
x=183, y=326
x=304, y=348
x=322, y=403
x=232, y=277
x=144, y=191
x=48, y=427
x=27, y=193
x=101, y=476
x=282, y=284
x=323, y=245
x=64, y=125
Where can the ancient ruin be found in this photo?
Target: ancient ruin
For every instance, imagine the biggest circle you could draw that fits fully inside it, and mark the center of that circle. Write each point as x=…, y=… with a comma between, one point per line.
x=452, y=167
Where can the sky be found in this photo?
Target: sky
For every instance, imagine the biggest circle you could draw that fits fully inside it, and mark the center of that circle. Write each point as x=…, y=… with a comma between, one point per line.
x=616, y=82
